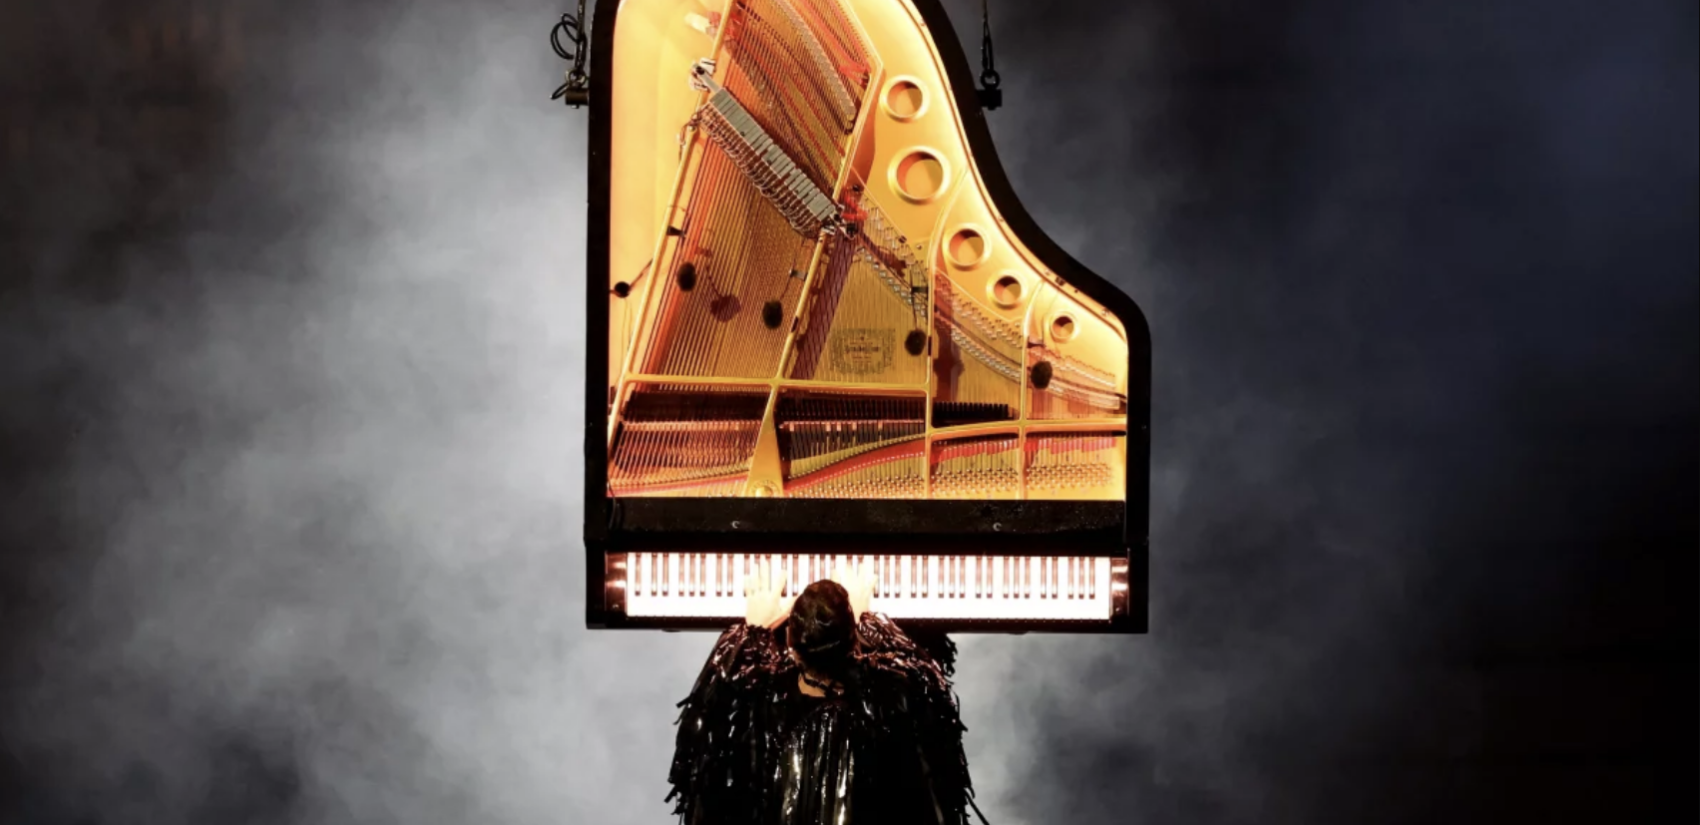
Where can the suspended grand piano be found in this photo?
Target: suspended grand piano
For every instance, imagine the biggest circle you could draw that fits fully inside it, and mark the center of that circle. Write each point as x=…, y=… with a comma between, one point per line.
x=822, y=327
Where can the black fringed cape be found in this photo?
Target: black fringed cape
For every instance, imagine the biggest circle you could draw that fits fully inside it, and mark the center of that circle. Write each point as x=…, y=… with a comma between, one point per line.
x=752, y=749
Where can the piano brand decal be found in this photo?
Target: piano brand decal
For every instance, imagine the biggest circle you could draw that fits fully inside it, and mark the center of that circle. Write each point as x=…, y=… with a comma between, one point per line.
x=862, y=351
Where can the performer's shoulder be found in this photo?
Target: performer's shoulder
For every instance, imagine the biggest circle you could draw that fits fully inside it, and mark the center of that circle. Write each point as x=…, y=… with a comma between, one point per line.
x=903, y=671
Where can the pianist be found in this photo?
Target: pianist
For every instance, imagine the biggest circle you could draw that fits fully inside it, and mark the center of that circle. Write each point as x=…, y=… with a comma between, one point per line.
x=817, y=712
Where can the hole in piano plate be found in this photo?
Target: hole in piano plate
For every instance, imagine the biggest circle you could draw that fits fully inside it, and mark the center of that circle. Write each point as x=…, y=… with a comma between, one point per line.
x=687, y=277
x=725, y=308
x=919, y=175
x=622, y=289
x=905, y=99
x=1041, y=375
x=967, y=248
x=1006, y=291
x=1062, y=329
x=772, y=313
x=915, y=342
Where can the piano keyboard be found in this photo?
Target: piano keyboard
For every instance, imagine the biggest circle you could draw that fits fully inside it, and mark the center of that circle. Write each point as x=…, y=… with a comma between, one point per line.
x=711, y=585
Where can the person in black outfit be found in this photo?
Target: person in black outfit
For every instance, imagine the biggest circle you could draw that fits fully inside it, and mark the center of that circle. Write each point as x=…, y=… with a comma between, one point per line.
x=819, y=712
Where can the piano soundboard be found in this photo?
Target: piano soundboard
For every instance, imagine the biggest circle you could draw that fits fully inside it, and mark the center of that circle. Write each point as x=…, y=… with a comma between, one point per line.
x=822, y=328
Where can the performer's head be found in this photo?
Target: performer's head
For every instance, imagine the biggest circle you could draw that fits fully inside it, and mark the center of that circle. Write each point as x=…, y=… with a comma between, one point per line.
x=822, y=628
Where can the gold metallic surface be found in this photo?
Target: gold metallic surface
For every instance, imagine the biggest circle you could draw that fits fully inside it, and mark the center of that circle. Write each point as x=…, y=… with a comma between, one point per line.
x=1024, y=378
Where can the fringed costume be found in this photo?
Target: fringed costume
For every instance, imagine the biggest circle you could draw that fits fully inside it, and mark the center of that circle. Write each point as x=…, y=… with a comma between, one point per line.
x=883, y=747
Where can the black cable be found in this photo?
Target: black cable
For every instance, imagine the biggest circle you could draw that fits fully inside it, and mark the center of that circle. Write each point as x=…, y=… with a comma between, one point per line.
x=577, y=86
x=977, y=811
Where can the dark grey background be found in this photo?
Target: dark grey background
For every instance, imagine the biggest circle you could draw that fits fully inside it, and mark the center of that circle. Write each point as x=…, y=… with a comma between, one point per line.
x=289, y=345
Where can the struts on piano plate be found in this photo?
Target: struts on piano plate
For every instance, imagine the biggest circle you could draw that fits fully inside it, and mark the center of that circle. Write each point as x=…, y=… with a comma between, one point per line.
x=822, y=328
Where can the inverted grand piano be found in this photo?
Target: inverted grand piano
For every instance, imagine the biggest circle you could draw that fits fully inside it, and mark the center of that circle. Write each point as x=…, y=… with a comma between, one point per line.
x=822, y=330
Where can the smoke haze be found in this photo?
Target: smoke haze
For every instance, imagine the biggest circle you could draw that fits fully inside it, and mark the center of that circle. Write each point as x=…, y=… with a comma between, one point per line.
x=291, y=433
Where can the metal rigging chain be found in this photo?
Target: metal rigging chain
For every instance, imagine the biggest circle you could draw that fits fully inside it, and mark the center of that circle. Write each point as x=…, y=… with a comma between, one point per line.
x=576, y=89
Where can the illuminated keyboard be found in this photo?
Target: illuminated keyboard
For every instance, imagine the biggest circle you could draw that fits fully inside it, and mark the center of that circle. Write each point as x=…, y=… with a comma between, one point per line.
x=967, y=588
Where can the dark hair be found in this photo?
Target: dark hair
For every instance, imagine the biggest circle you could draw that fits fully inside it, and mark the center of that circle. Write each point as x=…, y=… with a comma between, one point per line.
x=822, y=628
